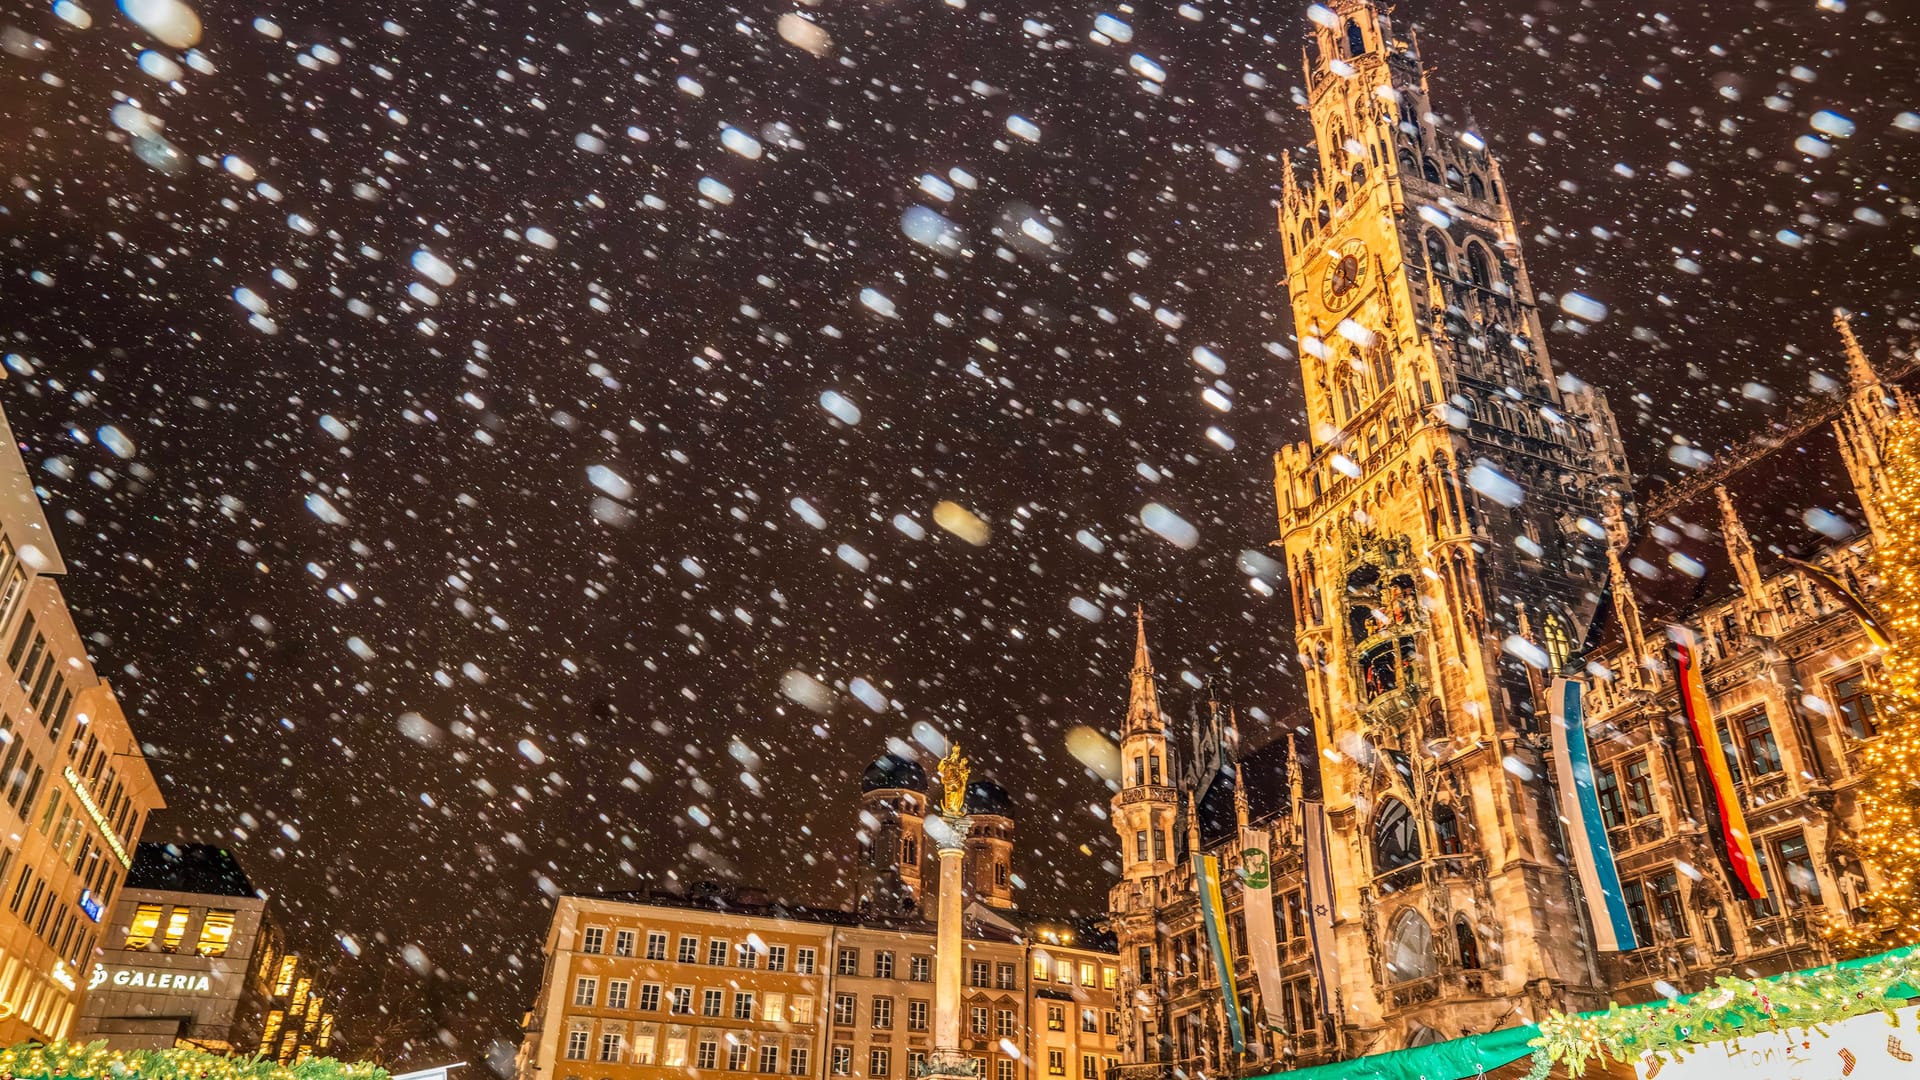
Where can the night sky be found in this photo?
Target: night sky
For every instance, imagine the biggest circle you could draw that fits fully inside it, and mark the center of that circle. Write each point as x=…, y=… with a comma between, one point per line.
x=547, y=559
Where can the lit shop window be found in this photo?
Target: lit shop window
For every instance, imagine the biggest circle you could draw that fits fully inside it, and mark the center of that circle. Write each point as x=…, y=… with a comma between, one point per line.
x=176, y=929
x=216, y=933
x=146, y=923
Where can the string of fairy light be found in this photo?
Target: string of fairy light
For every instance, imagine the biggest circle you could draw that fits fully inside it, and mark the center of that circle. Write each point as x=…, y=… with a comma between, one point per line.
x=1889, y=836
x=93, y=1061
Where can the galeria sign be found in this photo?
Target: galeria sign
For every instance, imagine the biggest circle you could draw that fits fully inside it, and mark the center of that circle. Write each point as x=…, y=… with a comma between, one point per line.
x=138, y=979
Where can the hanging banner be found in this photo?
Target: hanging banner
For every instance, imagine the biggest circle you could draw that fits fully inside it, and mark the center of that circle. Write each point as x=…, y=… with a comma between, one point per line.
x=1213, y=912
x=1586, y=828
x=1730, y=822
x=1256, y=907
x=1326, y=958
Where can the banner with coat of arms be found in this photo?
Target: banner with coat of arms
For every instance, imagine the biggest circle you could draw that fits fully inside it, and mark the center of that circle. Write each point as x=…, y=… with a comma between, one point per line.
x=1256, y=907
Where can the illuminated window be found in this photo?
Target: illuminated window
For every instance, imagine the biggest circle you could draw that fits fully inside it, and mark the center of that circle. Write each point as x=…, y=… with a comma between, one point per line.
x=176, y=929
x=216, y=933
x=272, y=1030
x=676, y=1057
x=1040, y=966
x=646, y=1039
x=1086, y=974
x=146, y=923
x=284, y=984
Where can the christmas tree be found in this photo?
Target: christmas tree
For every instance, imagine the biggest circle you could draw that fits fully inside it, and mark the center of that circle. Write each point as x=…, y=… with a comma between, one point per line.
x=1889, y=837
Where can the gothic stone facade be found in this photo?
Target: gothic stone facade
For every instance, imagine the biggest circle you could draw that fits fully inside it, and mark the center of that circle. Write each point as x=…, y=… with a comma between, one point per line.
x=1451, y=530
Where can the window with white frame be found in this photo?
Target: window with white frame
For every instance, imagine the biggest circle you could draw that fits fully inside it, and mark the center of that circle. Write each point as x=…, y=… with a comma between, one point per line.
x=920, y=968
x=879, y=1062
x=842, y=1061
x=737, y=1056
x=682, y=1001
x=770, y=1057
x=593, y=939
x=916, y=1015
x=717, y=953
x=776, y=958
x=577, y=1041
x=656, y=945
x=743, y=1004
x=707, y=1054
x=843, y=1010
x=610, y=1046
x=585, y=989
x=803, y=961
x=646, y=1038
x=797, y=1060
x=689, y=950
x=711, y=1002
x=649, y=997
x=1003, y=1023
x=882, y=964
x=623, y=942
x=617, y=990
x=773, y=1008
x=882, y=1012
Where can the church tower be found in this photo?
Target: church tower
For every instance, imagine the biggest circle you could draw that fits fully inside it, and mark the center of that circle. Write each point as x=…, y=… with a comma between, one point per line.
x=1146, y=813
x=1445, y=550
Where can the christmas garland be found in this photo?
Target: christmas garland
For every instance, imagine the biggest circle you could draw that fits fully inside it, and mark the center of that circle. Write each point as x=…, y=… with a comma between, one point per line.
x=1726, y=1011
x=93, y=1061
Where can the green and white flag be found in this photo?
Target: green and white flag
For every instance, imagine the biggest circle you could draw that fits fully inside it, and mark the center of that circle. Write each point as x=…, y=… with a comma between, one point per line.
x=1256, y=907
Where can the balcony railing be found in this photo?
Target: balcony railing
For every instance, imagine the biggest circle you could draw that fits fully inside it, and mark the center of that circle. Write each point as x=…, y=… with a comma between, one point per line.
x=1447, y=984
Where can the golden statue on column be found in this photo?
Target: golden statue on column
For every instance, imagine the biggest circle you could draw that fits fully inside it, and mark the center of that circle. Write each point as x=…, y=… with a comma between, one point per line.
x=953, y=771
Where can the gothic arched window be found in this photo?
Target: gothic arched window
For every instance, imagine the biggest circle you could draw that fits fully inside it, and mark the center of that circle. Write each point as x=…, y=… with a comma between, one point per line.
x=1430, y=170
x=1409, y=948
x=1479, y=266
x=1359, y=175
x=1437, y=253
x=1396, y=837
x=1466, y=942
x=1340, y=193
x=1325, y=215
x=1356, y=40
x=1455, y=180
x=1559, y=643
x=1475, y=187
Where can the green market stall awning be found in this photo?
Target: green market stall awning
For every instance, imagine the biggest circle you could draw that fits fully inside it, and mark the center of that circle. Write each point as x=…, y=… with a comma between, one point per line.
x=1622, y=1034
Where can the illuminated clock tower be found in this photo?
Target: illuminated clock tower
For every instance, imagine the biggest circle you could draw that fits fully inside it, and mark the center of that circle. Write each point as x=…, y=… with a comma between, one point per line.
x=1445, y=546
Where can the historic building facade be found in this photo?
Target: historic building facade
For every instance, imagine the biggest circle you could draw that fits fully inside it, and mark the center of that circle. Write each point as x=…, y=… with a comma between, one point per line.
x=727, y=981
x=1458, y=530
x=75, y=789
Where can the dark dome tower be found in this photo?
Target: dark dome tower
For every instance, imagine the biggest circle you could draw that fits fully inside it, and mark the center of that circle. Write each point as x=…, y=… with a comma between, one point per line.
x=893, y=812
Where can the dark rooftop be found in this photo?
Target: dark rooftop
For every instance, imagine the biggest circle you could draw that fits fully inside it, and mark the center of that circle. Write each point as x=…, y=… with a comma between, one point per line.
x=190, y=868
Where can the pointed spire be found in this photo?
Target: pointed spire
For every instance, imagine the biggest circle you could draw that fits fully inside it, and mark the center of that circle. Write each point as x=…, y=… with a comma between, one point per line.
x=1289, y=183
x=1193, y=826
x=1143, y=702
x=1626, y=607
x=1860, y=371
x=1746, y=565
x=1239, y=797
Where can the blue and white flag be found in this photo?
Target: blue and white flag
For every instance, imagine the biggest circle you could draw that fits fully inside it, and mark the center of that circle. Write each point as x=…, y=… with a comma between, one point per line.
x=1586, y=829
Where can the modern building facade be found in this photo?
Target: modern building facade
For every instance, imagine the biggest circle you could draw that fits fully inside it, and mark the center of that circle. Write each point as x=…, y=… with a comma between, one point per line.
x=1458, y=531
x=726, y=981
x=194, y=957
x=75, y=789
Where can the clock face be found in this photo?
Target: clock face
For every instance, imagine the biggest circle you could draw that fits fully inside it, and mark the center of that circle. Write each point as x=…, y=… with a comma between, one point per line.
x=1346, y=271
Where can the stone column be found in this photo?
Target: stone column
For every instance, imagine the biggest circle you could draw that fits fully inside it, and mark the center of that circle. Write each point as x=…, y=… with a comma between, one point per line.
x=948, y=835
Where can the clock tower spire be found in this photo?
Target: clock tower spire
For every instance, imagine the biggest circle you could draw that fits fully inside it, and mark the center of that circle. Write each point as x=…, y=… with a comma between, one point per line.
x=1442, y=536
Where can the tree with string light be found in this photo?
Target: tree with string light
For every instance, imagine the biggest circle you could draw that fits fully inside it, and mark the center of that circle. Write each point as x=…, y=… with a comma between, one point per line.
x=1889, y=838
